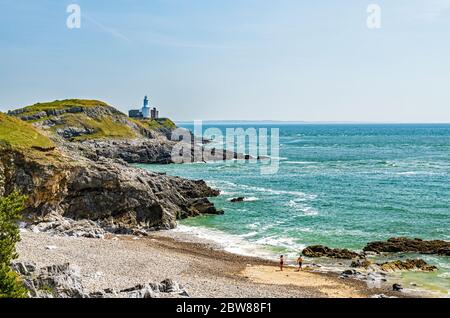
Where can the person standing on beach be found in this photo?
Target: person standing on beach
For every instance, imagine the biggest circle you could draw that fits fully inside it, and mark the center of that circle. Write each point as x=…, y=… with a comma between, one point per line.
x=281, y=262
x=300, y=263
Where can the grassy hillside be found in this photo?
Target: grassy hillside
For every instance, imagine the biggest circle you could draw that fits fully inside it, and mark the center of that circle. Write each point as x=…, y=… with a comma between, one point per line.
x=101, y=127
x=158, y=124
x=79, y=120
x=61, y=104
x=19, y=134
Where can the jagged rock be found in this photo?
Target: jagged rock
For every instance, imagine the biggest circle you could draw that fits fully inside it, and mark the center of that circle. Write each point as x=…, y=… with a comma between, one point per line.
x=64, y=281
x=58, y=225
x=403, y=244
x=203, y=206
x=408, y=265
x=71, y=132
x=239, y=199
x=57, y=281
x=323, y=251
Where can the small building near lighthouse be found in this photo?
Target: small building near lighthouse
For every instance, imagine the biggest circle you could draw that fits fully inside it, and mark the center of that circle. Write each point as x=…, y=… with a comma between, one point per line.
x=146, y=112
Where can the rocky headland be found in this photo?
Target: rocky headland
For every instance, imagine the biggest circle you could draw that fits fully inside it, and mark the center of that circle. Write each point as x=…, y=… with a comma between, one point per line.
x=71, y=160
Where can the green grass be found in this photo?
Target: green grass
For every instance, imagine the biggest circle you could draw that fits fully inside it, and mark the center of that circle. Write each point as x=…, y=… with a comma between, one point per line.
x=157, y=124
x=61, y=104
x=114, y=126
x=19, y=134
x=104, y=127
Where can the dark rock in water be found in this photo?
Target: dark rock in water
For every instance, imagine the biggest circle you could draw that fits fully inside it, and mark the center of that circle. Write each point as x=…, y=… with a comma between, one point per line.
x=403, y=244
x=204, y=206
x=397, y=287
x=239, y=199
x=64, y=281
x=323, y=251
x=408, y=265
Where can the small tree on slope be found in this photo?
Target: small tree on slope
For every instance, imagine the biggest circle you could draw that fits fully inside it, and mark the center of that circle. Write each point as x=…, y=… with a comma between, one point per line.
x=10, y=214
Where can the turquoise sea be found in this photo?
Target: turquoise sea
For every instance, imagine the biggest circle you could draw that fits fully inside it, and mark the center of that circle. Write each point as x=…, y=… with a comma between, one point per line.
x=340, y=185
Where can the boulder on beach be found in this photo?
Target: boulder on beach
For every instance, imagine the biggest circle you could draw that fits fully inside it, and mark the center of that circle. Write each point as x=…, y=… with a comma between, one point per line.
x=323, y=251
x=397, y=287
x=403, y=244
x=361, y=263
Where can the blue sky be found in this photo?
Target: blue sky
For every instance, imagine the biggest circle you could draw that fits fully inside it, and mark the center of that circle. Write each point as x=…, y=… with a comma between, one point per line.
x=233, y=59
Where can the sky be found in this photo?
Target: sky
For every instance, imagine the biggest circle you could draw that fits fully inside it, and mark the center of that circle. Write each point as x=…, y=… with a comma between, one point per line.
x=292, y=60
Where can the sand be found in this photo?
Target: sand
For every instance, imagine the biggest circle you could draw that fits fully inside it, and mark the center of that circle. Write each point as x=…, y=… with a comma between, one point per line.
x=331, y=287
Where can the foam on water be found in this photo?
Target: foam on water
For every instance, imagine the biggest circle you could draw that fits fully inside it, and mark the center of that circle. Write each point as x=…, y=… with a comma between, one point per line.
x=230, y=243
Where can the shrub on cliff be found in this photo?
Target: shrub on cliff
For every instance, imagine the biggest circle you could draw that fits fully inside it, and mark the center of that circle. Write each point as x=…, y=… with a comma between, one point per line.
x=10, y=209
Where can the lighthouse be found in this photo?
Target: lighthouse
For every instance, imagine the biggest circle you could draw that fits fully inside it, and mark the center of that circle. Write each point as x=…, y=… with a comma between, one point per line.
x=146, y=112
x=146, y=108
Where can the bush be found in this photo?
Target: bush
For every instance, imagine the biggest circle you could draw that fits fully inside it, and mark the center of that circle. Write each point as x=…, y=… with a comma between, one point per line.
x=10, y=209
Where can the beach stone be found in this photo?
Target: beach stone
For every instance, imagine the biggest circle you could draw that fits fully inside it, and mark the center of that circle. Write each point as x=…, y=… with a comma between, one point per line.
x=397, y=287
x=349, y=273
x=236, y=200
x=323, y=251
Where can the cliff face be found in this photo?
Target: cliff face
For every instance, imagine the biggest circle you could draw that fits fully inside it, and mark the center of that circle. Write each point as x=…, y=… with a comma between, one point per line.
x=68, y=178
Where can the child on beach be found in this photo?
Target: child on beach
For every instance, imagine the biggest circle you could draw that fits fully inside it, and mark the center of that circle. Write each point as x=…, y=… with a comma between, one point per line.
x=281, y=262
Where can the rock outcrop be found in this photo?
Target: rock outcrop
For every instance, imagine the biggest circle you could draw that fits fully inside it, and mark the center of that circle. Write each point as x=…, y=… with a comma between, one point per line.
x=58, y=281
x=403, y=244
x=64, y=281
x=119, y=197
x=74, y=163
x=323, y=251
x=56, y=224
x=408, y=265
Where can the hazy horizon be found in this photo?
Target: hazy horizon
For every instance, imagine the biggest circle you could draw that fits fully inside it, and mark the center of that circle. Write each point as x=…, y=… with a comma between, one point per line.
x=256, y=60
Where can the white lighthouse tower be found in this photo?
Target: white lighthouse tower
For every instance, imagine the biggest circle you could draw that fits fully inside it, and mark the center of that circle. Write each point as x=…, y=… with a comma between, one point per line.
x=146, y=108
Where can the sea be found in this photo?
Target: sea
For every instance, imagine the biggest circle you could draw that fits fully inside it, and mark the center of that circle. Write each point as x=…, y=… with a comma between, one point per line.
x=339, y=185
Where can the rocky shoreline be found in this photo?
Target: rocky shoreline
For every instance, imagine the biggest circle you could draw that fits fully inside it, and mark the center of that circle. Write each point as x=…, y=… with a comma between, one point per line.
x=110, y=266
x=371, y=274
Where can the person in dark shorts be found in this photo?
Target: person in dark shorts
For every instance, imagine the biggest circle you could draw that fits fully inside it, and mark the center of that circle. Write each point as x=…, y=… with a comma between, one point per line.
x=281, y=262
x=300, y=263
